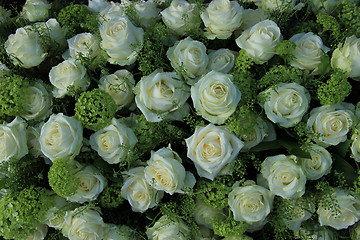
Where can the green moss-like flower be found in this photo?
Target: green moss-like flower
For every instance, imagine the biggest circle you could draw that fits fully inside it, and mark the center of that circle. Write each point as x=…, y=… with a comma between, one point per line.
x=335, y=90
x=229, y=227
x=21, y=211
x=111, y=196
x=285, y=49
x=95, y=109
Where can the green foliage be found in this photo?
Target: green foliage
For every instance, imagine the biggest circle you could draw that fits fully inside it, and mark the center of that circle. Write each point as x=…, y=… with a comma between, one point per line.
x=54, y=234
x=329, y=23
x=285, y=50
x=242, y=121
x=62, y=177
x=229, y=227
x=335, y=90
x=241, y=164
x=21, y=211
x=247, y=86
x=348, y=15
x=111, y=196
x=194, y=121
x=243, y=62
x=95, y=109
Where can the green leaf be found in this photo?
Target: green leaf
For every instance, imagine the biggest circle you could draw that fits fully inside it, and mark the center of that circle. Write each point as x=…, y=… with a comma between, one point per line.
x=324, y=66
x=263, y=146
x=293, y=148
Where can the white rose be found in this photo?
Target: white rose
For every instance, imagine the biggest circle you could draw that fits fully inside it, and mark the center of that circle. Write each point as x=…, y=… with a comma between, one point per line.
x=146, y=11
x=211, y=148
x=221, y=18
x=343, y=214
x=119, y=86
x=221, y=60
x=122, y=232
x=4, y=15
x=165, y=172
x=327, y=6
x=297, y=211
x=91, y=184
x=112, y=10
x=355, y=146
x=55, y=216
x=180, y=16
x=61, y=137
x=32, y=136
x=308, y=51
x=315, y=232
x=140, y=195
x=36, y=10
x=40, y=232
x=318, y=165
x=204, y=214
x=121, y=40
x=13, y=140
x=215, y=97
x=347, y=57
x=113, y=142
x=165, y=228
x=97, y=5
x=260, y=41
x=278, y=5
x=286, y=104
x=190, y=55
x=331, y=122
x=251, y=203
x=284, y=176
x=69, y=73
x=38, y=102
x=162, y=95
x=24, y=48
x=50, y=29
x=84, y=44
x=252, y=17
x=83, y=224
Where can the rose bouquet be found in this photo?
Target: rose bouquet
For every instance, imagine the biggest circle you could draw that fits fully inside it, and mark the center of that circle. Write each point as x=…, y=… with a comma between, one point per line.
x=174, y=119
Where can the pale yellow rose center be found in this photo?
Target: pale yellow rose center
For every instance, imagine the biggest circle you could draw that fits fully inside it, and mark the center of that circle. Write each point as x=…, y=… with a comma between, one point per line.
x=211, y=149
x=54, y=136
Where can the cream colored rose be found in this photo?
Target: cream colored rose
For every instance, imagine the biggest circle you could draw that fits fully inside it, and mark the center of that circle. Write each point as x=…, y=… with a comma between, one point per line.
x=113, y=142
x=119, y=86
x=162, y=95
x=215, y=97
x=180, y=16
x=165, y=228
x=345, y=213
x=251, y=203
x=55, y=216
x=140, y=195
x=297, y=211
x=13, y=140
x=69, y=73
x=40, y=232
x=286, y=104
x=61, y=137
x=331, y=122
x=347, y=57
x=38, y=102
x=318, y=165
x=211, y=148
x=146, y=11
x=121, y=40
x=122, y=232
x=284, y=177
x=221, y=60
x=24, y=48
x=36, y=10
x=308, y=51
x=112, y=10
x=204, y=214
x=355, y=146
x=84, y=44
x=221, y=18
x=83, y=224
x=190, y=56
x=252, y=16
x=91, y=184
x=165, y=172
x=260, y=41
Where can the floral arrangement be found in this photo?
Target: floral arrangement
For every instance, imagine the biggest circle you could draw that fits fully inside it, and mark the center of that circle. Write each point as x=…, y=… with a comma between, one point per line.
x=175, y=119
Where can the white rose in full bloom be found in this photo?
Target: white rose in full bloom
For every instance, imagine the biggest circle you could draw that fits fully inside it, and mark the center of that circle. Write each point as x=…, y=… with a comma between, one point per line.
x=162, y=95
x=140, y=195
x=190, y=55
x=4, y=15
x=36, y=10
x=347, y=57
x=24, y=48
x=165, y=172
x=221, y=60
x=84, y=44
x=250, y=203
x=180, y=16
x=211, y=148
x=165, y=228
x=355, y=146
x=260, y=41
x=69, y=73
x=119, y=86
x=39, y=234
x=38, y=102
x=215, y=97
x=286, y=104
x=318, y=165
x=205, y=214
x=91, y=184
x=347, y=211
x=146, y=11
x=121, y=40
x=112, y=10
x=55, y=216
x=113, y=142
x=13, y=140
x=61, y=137
x=332, y=122
x=221, y=18
x=122, y=232
x=297, y=211
x=308, y=51
x=97, y=5
x=83, y=224
x=284, y=176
